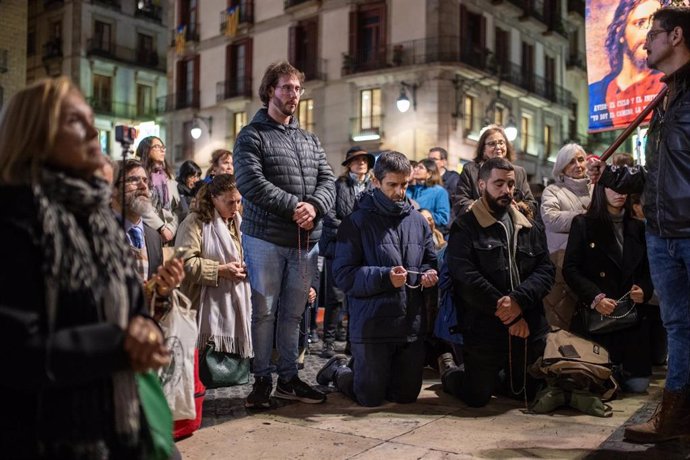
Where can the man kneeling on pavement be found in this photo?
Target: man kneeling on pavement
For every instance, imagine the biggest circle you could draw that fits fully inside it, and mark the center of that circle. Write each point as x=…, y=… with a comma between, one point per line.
x=384, y=257
x=499, y=263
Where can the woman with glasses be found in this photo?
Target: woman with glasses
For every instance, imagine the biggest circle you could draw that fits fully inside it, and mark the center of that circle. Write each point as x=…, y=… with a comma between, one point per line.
x=606, y=263
x=493, y=142
x=164, y=194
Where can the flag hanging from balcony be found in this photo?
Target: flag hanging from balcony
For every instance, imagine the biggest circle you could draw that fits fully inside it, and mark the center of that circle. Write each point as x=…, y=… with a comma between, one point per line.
x=620, y=83
x=232, y=19
x=180, y=40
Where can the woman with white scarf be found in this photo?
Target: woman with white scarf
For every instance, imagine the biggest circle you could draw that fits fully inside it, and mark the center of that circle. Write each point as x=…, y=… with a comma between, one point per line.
x=216, y=277
x=561, y=201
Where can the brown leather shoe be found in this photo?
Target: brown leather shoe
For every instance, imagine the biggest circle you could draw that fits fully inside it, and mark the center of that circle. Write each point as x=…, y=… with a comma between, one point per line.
x=671, y=420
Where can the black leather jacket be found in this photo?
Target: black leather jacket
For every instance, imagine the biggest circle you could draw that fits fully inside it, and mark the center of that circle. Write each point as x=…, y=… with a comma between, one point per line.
x=665, y=179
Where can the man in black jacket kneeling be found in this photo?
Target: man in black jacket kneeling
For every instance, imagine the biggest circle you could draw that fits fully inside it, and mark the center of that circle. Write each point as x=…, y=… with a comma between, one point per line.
x=501, y=271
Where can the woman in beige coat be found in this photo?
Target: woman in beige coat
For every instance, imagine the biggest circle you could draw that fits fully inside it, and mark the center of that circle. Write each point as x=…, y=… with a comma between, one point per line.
x=561, y=201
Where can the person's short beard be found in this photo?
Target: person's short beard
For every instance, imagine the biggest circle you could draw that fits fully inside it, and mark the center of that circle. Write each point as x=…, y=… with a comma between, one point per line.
x=495, y=204
x=139, y=204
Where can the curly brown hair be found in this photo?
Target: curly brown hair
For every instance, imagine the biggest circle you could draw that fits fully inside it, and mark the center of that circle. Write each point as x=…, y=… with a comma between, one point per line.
x=204, y=204
x=273, y=74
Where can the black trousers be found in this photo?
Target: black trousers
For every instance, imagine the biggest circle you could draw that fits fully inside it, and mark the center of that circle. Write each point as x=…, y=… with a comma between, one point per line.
x=489, y=370
x=381, y=372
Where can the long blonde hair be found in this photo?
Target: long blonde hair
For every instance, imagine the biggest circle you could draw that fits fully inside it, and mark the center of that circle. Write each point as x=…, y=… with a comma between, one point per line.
x=28, y=129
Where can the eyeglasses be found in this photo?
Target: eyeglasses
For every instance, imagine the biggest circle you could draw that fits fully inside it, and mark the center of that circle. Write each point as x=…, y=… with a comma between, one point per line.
x=494, y=144
x=135, y=180
x=289, y=89
x=651, y=35
x=158, y=147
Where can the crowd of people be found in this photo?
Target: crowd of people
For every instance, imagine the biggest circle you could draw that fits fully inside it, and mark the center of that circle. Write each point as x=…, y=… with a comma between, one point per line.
x=89, y=277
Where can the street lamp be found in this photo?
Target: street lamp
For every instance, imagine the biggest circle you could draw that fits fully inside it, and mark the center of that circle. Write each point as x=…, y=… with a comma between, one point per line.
x=195, y=132
x=403, y=102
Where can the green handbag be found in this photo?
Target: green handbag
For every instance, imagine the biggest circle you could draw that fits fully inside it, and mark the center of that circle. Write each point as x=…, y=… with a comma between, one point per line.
x=218, y=369
x=159, y=435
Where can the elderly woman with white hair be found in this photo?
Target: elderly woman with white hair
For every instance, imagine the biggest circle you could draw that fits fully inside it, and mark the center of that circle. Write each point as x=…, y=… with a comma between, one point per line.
x=561, y=201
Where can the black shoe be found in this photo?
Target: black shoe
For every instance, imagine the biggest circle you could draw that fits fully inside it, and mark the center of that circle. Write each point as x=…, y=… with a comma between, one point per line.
x=261, y=393
x=328, y=350
x=314, y=336
x=327, y=373
x=298, y=390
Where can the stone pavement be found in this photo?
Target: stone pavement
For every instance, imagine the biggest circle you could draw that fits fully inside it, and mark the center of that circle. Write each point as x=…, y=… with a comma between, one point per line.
x=437, y=426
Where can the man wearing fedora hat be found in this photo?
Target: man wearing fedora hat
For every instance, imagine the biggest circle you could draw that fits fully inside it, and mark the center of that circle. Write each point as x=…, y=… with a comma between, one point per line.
x=354, y=180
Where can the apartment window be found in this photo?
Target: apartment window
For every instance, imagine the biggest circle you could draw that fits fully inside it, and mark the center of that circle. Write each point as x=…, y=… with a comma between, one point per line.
x=189, y=16
x=144, y=100
x=472, y=38
x=468, y=120
x=528, y=66
x=368, y=36
x=188, y=83
x=102, y=36
x=548, y=141
x=239, y=121
x=550, y=77
x=370, y=108
x=102, y=93
x=525, y=133
x=502, y=50
x=499, y=115
x=303, y=47
x=238, y=72
x=305, y=114
x=145, y=49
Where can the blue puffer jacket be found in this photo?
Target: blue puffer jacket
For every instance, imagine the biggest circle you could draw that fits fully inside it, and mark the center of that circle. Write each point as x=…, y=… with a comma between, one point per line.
x=276, y=167
x=378, y=235
x=435, y=199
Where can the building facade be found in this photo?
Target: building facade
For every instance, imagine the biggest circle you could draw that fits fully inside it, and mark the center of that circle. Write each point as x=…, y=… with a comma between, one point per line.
x=460, y=63
x=13, y=14
x=114, y=50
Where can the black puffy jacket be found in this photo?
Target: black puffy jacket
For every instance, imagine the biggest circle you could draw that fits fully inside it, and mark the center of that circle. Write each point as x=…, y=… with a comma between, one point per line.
x=276, y=167
x=345, y=199
x=665, y=178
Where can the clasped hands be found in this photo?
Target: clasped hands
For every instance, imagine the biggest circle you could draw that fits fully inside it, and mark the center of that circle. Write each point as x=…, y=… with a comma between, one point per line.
x=304, y=215
x=606, y=306
x=508, y=310
x=398, y=276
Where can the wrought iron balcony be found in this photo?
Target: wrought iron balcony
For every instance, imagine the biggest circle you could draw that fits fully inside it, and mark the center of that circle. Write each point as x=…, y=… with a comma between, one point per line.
x=178, y=101
x=142, y=57
x=314, y=68
x=149, y=11
x=191, y=33
x=240, y=87
x=246, y=11
x=105, y=106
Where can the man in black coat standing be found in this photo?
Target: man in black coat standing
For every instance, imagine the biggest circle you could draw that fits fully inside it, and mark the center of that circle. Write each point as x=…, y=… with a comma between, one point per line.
x=384, y=256
x=287, y=188
x=500, y=267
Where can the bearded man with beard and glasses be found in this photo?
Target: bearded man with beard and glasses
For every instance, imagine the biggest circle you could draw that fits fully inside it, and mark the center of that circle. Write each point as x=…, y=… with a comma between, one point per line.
x=145, y=241
x=500, y=268
x=629, y=78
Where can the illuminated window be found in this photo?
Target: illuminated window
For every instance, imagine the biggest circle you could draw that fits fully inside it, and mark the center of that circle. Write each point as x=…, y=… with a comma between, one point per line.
x=305, y=114
x=239, y=122
x=370, y=109
x=468, y=120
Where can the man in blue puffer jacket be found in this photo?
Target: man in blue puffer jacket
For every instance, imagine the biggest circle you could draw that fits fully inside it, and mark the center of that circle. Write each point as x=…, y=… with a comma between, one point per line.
x=384, y=257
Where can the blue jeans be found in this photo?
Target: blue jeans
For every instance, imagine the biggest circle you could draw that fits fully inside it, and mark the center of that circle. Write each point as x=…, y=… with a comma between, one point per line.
x=669, y=263
x=279, y=280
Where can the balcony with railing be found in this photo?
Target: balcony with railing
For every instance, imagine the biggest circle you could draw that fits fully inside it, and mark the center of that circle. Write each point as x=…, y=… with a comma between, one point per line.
x=178, y=101
x=238, y=87
x=191, y=33
x=108, y=107
x=314, y=68
x=3, y=61
x=577, y=60
x=448, y=49
x=246, y=15
x=367, y=128
x=149, y=12
x=143, y=57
